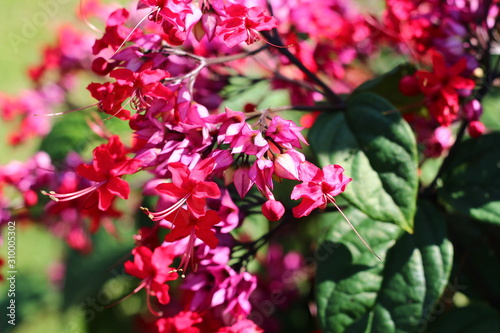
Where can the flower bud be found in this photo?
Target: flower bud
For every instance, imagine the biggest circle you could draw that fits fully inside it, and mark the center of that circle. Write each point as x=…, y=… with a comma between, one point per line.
x=286, y=165
x=476, y=129
x=273, y=210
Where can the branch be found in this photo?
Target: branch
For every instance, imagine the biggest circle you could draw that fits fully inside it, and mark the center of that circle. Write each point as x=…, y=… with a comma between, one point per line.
x=329, y=94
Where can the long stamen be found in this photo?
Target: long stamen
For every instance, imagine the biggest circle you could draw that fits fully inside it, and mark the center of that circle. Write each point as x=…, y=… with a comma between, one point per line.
x=60, y=197
x=121, y=107
x=133, y=30
x=86, y=21
x=153, y=311
x=186, y=257
x=354, y=229
x=158, y=216
x=64, y=112
x=135, y=291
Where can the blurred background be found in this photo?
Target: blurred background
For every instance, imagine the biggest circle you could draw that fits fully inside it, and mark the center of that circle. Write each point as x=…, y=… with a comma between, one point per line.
x=41, y=303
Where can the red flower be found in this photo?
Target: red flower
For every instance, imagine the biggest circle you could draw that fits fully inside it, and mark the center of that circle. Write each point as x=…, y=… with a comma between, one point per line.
x=110, y=163
x=186, y=224
x=188, y=186
x=183, y=322
x=153, y=268
x=442, y=88
x=318, y=188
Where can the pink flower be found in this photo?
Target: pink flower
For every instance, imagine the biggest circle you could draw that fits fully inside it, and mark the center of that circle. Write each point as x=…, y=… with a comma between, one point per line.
x=242, y=180
x=183, y=322
x=242, y=139
x=241, y=326
x=243, y=24
x=153, y=268
x=440, y=141
x=319, y=186
x=286, y=133
x=110, y=163
x=188, y=186
x=287, y=165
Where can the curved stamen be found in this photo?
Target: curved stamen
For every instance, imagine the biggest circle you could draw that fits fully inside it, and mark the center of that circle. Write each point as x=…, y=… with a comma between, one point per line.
x=135, y=291
x=153, y=311
x=65, y=112
x=158, y=216
x=61, y=197
x=86, y=21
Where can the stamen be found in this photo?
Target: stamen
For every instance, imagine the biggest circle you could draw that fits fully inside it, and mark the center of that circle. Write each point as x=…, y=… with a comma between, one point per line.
x=64, y=112
x=87, y=22
x=158, y=216
x=268, y=42
x=121, y=107
x=186, y=257
x=133, y=30
x=352, y=227
x=74, y=195
x=148, y=301
x=135, y=291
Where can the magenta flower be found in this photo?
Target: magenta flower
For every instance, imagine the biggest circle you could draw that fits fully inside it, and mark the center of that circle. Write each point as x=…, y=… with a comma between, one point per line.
x=243, y=25
x=273, y=210
x=183, y=322
x=241, y=326
x=286, y=133
x=319, y=186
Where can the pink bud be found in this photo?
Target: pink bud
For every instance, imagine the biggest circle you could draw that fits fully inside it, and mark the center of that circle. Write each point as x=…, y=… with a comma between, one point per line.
x=286, y=165
x=476, y=129
x=242, y=181
x=273, y=210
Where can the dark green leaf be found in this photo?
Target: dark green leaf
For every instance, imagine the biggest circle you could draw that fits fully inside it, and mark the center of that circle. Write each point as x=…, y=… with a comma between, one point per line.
x=355, y=293
x=470, y=319
x=378, y=150
x=472, y=184
x=476, y=261
x=387, y=86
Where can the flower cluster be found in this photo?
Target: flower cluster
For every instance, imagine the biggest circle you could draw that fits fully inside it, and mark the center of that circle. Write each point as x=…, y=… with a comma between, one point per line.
x=454, y=38
x=196, y=156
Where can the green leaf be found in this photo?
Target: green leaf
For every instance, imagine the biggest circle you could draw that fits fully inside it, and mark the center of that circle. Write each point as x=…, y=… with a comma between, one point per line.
x=470, y=319
x=356, y=293
x=472, y=184
x=490, y=104
x=476, y=261
x=378, y=150
x=71, y=133
x=387, y=86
